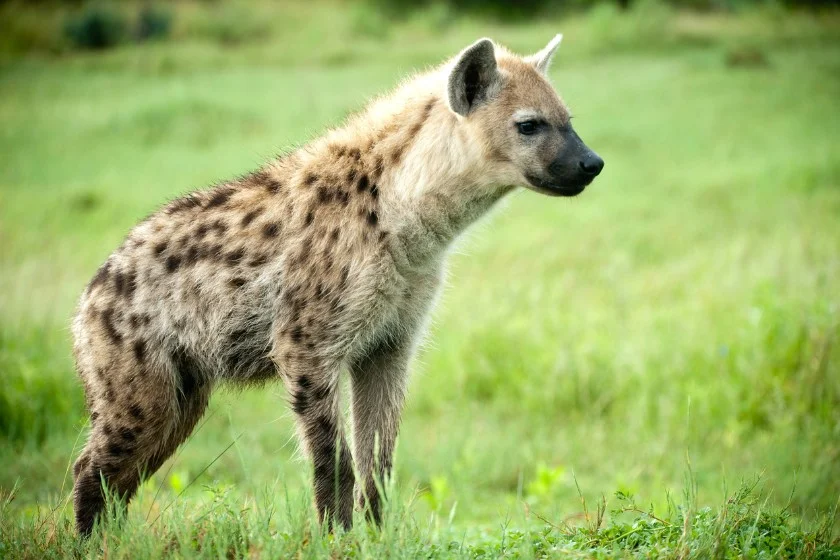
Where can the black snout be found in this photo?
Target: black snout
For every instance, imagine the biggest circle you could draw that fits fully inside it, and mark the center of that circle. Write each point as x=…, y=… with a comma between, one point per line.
x=591, y=164
x=573, y=168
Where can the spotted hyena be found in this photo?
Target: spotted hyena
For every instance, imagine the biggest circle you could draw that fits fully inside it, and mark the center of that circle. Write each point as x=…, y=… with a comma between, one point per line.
x=325, y=260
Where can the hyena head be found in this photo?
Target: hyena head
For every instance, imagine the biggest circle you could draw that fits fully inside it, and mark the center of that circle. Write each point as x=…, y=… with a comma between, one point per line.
x=507, y=105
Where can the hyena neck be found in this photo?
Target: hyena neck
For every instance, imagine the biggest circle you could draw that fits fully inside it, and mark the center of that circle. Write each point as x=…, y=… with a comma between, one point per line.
x=435, y=189
x=427, y=171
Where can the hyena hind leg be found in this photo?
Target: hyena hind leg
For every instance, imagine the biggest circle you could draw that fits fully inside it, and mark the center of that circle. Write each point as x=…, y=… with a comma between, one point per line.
x=130, y=439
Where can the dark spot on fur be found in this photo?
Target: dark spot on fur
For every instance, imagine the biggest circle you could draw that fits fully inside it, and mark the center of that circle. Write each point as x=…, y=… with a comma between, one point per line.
x=128, y=435
x=382, y=236
x=136, y=412
x=219, y=198
x=273, y=186
x=93, y=417
x=191, y=256
x=296, y=334
x=334, y=235
x=271, y=230
x=189, y=376
x=256, y=179
x=372, y=218
x=304, y=382
x=343, y=197
x=139, y=348
x=201, y=231
x=249, y=217
x=310, y=179
x=324, y=196
x=172, y=263
x=219, y=226
x=309, y=217
x=119, y=283
x=322, y=392
x=160, y=248
x=125, y=284
x=259, y=260
x=235, y=256
x=415, y=128
x=183, y=203
x=300, y=403
x=130, y=283
x=110, y=329
x=237, y=282
x=101, y=274
x=397, y=154
x=355, y=154
x=363, y=183
x=115, y=449
x=374, y=191
x=107, y=429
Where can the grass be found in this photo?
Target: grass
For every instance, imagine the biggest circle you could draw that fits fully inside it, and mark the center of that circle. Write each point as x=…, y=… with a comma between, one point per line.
x=686, y=306
x=224, y=526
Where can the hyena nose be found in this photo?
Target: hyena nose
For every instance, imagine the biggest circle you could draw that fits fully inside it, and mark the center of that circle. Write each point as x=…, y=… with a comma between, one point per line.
x=591, y=164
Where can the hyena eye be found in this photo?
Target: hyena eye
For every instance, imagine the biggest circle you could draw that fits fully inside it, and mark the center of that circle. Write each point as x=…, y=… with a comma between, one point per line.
x=528, y=127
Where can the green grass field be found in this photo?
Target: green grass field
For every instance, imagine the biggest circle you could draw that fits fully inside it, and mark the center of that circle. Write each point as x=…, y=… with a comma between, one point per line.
x=670, y=334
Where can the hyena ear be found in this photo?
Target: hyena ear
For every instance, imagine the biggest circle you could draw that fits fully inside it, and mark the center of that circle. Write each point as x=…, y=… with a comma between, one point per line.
x=473, y=78
x=542, y=60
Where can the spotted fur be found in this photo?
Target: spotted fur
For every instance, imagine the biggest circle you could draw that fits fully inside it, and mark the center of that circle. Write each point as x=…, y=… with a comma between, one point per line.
x=326, y=260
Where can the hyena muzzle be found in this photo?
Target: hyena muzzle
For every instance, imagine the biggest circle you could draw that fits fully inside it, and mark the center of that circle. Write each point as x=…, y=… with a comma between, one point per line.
x=325, y=261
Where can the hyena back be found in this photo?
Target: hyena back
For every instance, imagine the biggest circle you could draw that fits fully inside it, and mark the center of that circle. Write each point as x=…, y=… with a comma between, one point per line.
x=325, y=260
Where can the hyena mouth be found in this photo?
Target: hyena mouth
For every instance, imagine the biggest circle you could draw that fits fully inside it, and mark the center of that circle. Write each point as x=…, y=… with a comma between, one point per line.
x=553, y=189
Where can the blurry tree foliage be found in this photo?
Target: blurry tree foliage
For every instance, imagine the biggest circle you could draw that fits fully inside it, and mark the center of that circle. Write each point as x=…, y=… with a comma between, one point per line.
x=526, y=8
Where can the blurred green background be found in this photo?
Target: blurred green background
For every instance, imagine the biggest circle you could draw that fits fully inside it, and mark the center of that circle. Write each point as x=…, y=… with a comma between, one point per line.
x=684, y=310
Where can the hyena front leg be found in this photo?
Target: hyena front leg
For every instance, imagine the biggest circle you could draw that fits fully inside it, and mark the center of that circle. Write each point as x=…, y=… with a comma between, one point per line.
x=378, y=385
x=315, y=400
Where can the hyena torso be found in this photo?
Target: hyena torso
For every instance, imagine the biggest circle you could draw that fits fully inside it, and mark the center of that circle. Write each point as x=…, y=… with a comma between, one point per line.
x=326, y=260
